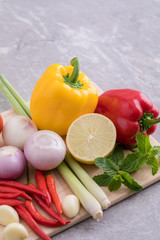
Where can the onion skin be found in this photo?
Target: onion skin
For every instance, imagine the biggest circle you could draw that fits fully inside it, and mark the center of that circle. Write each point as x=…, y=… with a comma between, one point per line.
x=16, y=131
x=44, y=150
x=12, y=163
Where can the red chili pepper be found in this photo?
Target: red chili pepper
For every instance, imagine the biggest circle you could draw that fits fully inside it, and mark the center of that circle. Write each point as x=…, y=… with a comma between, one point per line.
x=41, y=184
x=4, y=189
x=26, y=216
x=9, y=195
x=10, y=202
x=21, y=186
x=131, y=111
x=52, y=190
x=47, y=209
x=1, y=123
x=38, y=217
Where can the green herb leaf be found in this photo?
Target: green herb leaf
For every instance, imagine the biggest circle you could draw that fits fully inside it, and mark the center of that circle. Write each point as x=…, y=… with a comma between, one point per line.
x=155, y=150
x=129, y=182
x=143, y=143
x=117, y=168
x=115, y=183
x=117, y=154
x=102, y=180
x=126, y=176
x=107, y=165
x=133, y=161
x=153, y=162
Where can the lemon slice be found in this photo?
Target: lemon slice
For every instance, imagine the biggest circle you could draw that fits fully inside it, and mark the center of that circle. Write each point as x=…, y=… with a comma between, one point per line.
x=90, y=136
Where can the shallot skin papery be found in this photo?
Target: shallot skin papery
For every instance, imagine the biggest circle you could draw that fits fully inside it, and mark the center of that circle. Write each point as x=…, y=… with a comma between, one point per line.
x=16, y=131
x=12, y=162
x=44, y=150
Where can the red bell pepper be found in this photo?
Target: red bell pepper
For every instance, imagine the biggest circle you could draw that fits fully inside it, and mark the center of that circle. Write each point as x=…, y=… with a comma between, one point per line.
x=130, y=111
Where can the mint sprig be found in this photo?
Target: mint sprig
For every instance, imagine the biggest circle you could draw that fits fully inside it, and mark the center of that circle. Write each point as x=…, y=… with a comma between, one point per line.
x=115, y=183
x=117, y=168
x=109, y=167
x=129, y=182
x=145, y=154
x=113, y=177
x=102, y=179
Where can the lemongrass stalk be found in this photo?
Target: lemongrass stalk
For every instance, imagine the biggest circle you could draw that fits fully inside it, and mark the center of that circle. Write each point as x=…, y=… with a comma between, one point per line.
x=88, y=182
x=17, y=107
x=16, y=95
x=91, y=205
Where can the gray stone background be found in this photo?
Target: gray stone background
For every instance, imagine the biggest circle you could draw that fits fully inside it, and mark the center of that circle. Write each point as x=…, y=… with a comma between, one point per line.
x=118, y=44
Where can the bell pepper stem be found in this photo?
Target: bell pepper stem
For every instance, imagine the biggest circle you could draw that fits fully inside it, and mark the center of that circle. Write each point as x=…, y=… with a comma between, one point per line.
x=75, y=74
x=147, y=121
x=153, y=121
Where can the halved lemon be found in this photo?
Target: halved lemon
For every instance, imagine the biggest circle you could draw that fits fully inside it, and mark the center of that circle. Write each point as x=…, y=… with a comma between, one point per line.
x=90, y=136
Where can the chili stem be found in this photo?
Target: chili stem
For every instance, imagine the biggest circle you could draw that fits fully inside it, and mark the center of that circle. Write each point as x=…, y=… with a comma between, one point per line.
x=28, y=178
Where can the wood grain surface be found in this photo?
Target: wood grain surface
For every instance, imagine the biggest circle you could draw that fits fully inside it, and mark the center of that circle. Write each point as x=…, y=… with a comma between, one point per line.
x=143, y=176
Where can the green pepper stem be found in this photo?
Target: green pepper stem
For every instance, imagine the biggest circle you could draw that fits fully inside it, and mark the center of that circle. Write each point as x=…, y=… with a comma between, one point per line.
x=75, y=74
x=153, y=121
x=147, y=121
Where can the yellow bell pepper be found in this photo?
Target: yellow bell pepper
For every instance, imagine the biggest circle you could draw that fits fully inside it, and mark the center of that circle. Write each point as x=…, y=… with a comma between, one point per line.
x=60, y=96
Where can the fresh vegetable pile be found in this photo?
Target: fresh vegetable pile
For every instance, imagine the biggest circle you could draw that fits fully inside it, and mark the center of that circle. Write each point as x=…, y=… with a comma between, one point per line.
x=97, y=130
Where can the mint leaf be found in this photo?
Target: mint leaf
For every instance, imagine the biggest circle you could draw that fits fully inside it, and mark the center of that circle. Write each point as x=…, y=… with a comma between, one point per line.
x=134, y=187
x=153, y=162
x=115, y=183
x=107, y=165
x=117, y=154
x=143, y=143
x=153, y=152
x=133, y=161
x=156, y=151
x=126, y=176
x=129, y=182
x=102, y=180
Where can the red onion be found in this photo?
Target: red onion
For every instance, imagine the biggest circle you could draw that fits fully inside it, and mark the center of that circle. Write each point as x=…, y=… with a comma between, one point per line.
x=16, y=131
x=44, y=150
x=12, y=162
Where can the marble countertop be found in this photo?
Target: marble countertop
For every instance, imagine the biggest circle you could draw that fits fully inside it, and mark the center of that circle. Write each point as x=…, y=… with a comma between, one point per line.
x=118, y=44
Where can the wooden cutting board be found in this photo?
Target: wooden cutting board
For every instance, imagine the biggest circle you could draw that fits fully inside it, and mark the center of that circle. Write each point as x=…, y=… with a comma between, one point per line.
x=143, y=176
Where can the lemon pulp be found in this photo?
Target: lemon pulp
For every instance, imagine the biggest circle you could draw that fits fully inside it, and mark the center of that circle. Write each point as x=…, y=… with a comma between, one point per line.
x=90, y=136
